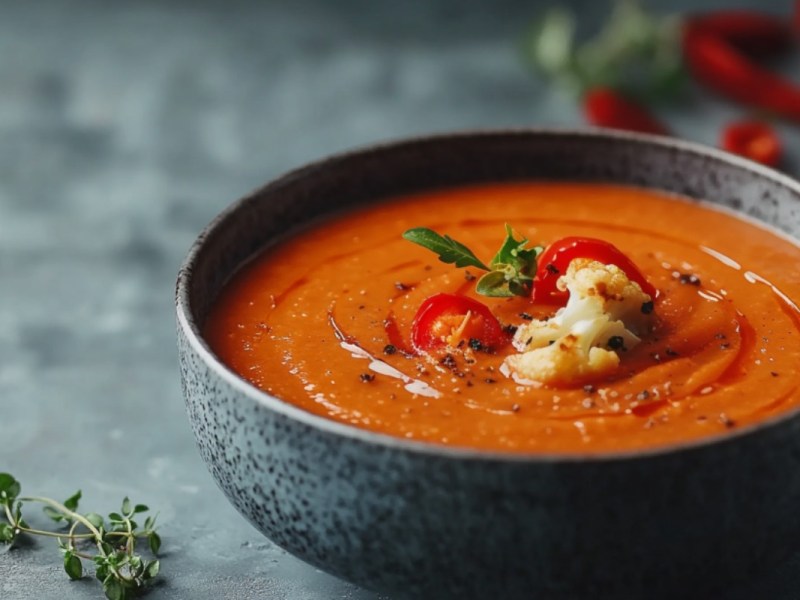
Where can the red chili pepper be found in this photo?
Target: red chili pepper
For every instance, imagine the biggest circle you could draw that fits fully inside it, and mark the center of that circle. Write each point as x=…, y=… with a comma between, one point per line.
x=754, y=140
x=717, y=64
x=446, y=319
x=553, y=263
x=797, y=16
x=751, y=32
x=607, y=108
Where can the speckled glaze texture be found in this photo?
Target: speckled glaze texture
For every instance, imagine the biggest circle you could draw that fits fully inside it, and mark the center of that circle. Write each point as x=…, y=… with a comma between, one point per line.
x=421, y=521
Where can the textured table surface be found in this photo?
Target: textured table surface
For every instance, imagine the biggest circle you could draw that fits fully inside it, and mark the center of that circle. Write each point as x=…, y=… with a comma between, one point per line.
x=124, y=128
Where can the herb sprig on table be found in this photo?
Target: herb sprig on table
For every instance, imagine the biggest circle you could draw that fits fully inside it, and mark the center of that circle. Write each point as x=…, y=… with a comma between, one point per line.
x=108, y=542
x=510, y=272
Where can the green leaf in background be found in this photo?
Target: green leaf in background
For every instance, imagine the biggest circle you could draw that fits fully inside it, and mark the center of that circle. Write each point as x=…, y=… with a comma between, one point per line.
x=549, y=43
x=126, y=506
x=635, y=52
x=140, y=508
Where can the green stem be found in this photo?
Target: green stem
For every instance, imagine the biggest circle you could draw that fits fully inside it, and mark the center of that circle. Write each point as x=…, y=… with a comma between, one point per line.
x=67, y=512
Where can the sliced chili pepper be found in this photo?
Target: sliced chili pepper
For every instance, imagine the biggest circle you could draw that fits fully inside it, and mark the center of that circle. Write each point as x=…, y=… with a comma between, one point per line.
x=446, y=319
x=755, y=140
x=751, y=32
x=717, y=64
x=606, y=107
x=555, y=259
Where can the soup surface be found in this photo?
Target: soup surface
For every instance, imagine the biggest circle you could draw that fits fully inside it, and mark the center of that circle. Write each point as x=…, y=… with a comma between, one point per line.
x=323, y=321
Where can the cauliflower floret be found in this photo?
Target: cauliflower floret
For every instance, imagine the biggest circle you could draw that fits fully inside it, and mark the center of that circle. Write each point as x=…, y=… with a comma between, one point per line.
x=604, y=314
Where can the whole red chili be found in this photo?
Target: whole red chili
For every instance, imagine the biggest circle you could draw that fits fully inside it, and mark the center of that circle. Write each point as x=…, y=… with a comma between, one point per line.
x=754, y=140
x=718, y=64
x=606, y=107
x=751, y=32
x=446, y=319
x=555, y=259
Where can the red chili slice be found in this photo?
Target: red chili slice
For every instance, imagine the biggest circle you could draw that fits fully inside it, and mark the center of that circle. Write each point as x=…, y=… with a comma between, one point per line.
x=553, y=263
x=754, y=140
x=445, y=319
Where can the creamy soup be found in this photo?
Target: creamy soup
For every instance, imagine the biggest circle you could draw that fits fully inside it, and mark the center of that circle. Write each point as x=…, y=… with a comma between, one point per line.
x=323, y=321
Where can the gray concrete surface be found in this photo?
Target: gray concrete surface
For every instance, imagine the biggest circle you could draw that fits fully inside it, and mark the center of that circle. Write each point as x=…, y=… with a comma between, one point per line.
x=124, y=128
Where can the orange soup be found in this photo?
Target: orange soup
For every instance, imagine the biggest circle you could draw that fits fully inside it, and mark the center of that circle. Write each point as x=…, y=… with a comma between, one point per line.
x=323, y=321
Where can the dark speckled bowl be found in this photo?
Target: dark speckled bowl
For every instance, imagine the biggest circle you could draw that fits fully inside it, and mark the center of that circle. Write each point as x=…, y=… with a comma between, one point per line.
x=423, y=521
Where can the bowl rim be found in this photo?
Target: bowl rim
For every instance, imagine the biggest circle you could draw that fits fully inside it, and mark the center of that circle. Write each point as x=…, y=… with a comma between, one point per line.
x=325, y=425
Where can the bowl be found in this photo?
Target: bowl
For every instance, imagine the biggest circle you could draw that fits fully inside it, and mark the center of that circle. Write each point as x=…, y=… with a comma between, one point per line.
x=426, y=521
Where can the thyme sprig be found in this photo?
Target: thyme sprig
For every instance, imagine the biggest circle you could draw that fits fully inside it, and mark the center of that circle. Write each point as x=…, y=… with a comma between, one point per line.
x=108, y=542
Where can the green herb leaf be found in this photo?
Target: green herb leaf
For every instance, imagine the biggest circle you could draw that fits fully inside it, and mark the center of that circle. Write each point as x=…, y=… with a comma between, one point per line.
x=449, y=250
x=155, y=542
x=7, y=533
x=113, y=589
x=95, y=519
x=72, y=502
x=9, y=488
x=73, y=566
x=151, y=569
x=493, y=284
x=53, y=514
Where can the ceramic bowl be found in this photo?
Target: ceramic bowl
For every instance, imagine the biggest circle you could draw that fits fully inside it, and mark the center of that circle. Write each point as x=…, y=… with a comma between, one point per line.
x=425, y=521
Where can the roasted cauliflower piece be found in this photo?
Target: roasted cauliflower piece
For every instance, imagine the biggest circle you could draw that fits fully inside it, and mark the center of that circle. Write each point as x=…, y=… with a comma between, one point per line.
x=605, y=314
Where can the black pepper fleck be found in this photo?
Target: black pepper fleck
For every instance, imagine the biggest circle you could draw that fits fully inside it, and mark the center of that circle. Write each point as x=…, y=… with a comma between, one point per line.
x=588, y=388
x=448, y=361
x=552, y=269
x=490, y=380
x=367, y=377
x=525, y=316
x=390, y=349
x=469, y=276
x=615, y=342
x=689, y=278
x=510, y=329
x=670, y=352
x=401, y=286
x=647, y=307
x=643, y=395
x=475, y=344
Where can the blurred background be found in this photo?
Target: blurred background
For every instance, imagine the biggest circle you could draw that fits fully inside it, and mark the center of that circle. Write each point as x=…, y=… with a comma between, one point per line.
x=126, y=126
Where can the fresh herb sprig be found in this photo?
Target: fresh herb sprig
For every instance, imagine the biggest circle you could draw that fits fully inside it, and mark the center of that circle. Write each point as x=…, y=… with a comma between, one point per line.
x=636, y=52
x=510, y=272
x=108, y=542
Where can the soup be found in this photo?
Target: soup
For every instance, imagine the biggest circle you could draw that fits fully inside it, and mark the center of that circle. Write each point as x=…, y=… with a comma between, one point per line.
x=324, y=321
